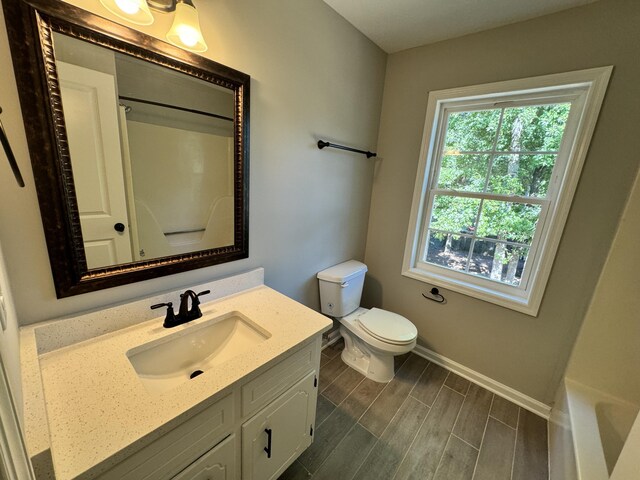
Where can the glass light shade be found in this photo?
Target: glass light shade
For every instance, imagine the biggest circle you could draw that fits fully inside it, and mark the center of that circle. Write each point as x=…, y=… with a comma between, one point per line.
x=134, y=11
x=185, y=31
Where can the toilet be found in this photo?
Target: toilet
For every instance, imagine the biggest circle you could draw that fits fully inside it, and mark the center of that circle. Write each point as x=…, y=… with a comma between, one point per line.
x=372, y=337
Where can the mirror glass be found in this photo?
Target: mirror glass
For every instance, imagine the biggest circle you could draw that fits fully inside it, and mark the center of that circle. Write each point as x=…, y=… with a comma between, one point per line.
x=152, y=155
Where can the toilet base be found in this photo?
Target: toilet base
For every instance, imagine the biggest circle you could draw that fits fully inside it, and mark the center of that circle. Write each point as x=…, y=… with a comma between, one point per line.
x=377, y=366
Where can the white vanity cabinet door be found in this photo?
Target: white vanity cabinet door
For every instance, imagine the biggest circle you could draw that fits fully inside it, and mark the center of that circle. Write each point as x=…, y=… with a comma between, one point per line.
x=290, y=418
x=217, y=464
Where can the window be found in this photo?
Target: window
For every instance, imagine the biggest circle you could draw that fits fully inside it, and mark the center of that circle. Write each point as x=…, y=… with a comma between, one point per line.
x=497, y=172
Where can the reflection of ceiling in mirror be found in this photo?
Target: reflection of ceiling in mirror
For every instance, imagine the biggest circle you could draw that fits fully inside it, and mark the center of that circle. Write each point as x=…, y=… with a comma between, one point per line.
x=166, y=86
x=146, y=81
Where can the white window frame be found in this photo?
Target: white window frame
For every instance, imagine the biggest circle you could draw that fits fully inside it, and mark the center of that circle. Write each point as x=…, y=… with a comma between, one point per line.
x=586, y=90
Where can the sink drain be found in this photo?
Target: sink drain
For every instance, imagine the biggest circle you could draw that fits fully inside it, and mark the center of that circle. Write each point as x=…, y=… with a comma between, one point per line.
x=196, y=373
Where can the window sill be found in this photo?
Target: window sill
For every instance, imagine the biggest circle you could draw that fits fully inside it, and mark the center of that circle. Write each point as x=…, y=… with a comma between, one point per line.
x=528, y=304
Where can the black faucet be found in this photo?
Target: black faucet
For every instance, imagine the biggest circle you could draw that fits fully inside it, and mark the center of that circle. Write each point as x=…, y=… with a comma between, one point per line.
x=185, y=314
x=193, y=312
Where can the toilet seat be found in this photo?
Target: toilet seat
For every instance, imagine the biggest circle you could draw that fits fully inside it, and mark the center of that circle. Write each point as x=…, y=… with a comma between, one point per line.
x=388, y=327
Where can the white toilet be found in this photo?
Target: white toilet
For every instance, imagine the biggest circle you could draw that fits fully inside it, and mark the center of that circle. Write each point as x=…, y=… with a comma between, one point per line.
x=372, y=337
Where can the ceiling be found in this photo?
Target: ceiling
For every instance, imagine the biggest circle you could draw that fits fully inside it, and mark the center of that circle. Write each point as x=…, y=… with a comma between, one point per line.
x=396, y=25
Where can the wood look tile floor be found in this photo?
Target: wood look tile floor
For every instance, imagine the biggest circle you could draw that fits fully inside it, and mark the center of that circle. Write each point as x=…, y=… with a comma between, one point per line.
x=426, y=424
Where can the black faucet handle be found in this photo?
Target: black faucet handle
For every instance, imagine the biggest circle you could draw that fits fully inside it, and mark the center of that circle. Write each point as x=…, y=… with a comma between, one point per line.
x=170, y=319
x=195, y=312
x=159, y=305
x=197, y=299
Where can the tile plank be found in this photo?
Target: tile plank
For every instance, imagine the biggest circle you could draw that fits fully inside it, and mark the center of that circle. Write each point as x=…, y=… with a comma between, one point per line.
x=424, y=456
x=324, y=359
x=387, y=404
x=531, y=461
x=345, y=460
x=473, y=415
x=326, y=438
x=429, y=384
x=295, y=472
x=330, y=371
x=332, y=351
x=360, y=399
x=399, y=360
x=386, y=456
x=323, y=409
x=505, y=411
x=496, y=454
x=343, y=386
x=458, y=461
x=457, y=383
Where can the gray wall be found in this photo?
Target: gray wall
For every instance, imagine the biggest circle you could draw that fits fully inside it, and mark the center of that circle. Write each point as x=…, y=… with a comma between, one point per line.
x=523, y=352
x=609, y=339
x=313, y=75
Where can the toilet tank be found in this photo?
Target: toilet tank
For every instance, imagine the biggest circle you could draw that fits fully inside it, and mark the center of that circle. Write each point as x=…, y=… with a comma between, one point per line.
x=341, y=288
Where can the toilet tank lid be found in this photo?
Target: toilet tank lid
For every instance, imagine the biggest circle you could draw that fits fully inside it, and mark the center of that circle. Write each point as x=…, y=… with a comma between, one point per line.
x=343, y=271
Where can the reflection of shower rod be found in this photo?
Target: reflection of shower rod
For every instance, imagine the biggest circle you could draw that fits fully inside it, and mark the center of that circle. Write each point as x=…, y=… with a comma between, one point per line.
x=175, y=107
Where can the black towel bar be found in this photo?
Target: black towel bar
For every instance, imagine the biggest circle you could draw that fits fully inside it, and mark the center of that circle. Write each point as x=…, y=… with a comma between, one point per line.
x=322, y=144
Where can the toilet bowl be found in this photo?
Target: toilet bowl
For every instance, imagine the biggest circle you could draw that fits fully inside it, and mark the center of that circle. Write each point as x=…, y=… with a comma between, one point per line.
x=372, y=337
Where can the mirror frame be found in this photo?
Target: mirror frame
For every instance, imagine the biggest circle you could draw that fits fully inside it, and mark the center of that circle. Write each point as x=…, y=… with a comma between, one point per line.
x=30, y=27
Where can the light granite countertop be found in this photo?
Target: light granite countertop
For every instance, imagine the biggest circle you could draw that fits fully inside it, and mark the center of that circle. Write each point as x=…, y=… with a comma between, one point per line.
x=98, y=410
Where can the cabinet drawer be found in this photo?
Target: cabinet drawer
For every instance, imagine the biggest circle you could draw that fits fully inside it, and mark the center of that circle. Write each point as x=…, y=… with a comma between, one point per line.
x=217, y=464
x=268, y=385
x=176, y=449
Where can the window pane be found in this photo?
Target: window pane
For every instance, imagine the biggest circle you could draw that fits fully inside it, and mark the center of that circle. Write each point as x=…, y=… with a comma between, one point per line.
x=454, y=214
x=515, y=222
x=498, y=261
x=527, y=175
x=448, y=250
x=533, y=129
x=472, y=131
x=463, y=172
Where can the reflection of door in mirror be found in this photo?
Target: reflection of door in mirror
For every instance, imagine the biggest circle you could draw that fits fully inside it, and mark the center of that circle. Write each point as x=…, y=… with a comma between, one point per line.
x=151, y=152
x=90, y=108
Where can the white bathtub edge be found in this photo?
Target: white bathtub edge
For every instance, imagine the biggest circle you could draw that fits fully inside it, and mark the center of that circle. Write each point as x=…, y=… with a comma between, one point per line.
x=590, y=461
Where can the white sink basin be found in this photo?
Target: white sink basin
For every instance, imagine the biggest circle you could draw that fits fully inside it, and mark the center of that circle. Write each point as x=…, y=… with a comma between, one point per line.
x=176, y=359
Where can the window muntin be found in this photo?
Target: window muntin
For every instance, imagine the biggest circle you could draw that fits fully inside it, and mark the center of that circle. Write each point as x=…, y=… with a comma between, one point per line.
x=493, y=173
x=541, y=190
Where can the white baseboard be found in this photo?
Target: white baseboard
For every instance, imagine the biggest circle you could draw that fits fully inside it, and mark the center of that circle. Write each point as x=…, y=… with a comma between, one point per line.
x=332, y=337
x=498, y=388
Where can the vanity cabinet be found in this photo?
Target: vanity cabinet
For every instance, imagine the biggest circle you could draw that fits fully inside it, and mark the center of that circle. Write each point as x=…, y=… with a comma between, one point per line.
x=254, y=433
x=277, y=435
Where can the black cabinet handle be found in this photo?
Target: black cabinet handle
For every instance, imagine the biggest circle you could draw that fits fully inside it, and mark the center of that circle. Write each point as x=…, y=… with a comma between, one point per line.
x=268, y=447
x=119, y=227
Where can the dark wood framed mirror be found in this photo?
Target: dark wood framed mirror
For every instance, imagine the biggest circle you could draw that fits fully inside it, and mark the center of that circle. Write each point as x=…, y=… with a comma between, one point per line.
x=204, y=104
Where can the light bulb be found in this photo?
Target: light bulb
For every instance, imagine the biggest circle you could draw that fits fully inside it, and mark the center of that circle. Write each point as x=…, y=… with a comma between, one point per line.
x=130, y=7
x=188, y=35
x=185, y=31
x=134, y=11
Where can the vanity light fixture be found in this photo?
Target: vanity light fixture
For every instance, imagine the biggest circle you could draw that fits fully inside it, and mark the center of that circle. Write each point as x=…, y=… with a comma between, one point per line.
x=184, y=32
x=134, y=11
